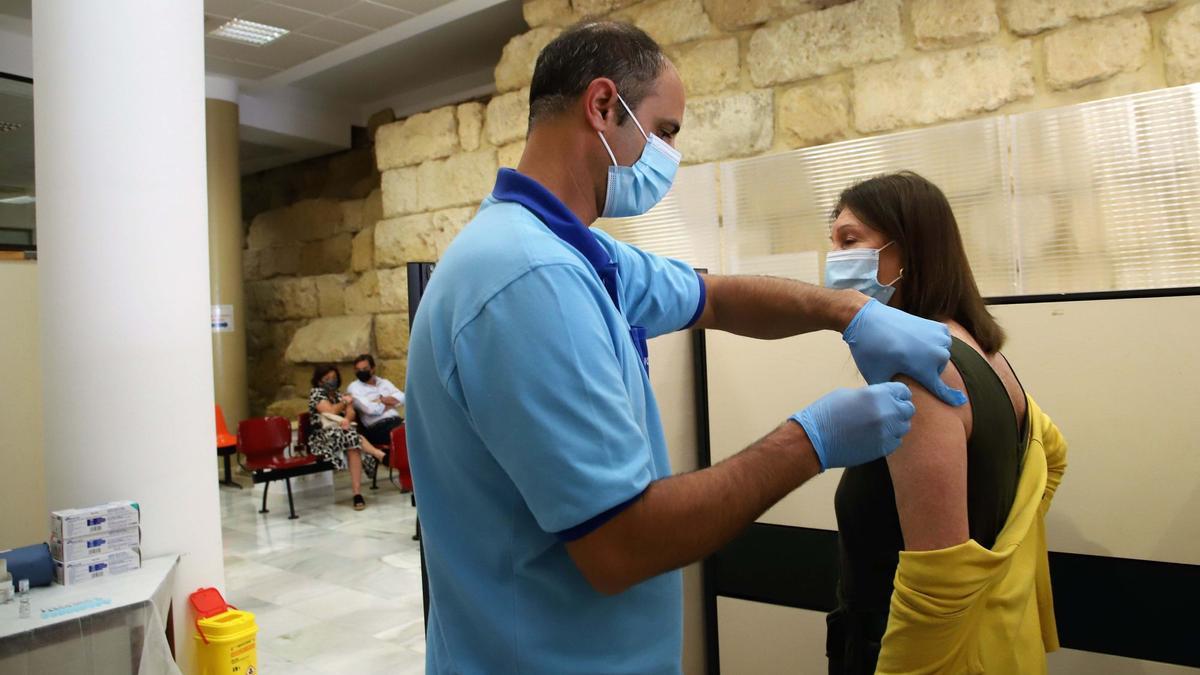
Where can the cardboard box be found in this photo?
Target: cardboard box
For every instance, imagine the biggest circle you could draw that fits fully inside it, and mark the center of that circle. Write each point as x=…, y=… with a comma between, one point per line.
x=94, y=544
x=73, y=523
x=108, y=564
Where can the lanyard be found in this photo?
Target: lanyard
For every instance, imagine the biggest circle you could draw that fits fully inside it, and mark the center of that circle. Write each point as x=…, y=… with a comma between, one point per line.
x=512, y=186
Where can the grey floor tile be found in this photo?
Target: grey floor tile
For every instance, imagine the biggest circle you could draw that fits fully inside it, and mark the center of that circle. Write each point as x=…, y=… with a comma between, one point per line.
x=336, y=591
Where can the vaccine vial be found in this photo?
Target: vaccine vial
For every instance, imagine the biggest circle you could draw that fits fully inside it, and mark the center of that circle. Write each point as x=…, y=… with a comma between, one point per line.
x=23, y=592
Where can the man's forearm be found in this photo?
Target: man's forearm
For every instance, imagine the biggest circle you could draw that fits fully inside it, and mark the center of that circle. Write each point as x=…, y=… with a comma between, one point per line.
x=683, y=519
x=770, y=308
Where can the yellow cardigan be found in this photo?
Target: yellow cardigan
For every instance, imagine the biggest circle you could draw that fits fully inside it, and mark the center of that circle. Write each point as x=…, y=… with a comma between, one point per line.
x=966, y=609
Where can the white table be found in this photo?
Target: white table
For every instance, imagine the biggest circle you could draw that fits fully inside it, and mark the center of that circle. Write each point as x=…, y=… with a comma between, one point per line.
x=125, y=636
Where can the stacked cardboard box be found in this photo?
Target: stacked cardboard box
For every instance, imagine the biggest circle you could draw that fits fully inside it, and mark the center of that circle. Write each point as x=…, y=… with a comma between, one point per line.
x=95, y=542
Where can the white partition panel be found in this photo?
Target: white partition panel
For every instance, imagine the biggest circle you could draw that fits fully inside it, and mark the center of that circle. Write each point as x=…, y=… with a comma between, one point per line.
x=754, y=385
x=1121, y=378
x=672, y=375
x=762, y=639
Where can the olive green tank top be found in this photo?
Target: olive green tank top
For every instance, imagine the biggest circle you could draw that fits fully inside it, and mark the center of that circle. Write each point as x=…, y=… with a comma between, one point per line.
x=869, y=534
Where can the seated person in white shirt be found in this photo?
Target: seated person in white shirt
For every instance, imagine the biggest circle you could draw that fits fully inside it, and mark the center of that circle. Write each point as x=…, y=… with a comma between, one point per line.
x=376, y=400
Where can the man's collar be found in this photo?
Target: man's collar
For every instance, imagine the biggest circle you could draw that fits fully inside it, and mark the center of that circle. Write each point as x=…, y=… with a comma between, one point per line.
x=512, y=186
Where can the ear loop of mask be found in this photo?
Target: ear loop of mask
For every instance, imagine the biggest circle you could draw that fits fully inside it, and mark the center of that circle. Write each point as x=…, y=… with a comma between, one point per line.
x=893, y=282
x=634, y=118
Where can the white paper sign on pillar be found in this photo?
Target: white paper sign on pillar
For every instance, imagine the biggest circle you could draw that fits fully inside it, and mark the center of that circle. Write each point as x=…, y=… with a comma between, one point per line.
x=222, y=318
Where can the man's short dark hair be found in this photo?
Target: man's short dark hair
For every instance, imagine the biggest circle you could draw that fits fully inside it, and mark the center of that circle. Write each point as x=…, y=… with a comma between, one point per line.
x=590, y=49
x=364, y=357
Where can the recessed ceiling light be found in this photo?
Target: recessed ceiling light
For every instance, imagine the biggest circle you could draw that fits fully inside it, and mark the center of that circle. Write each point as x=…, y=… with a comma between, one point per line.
x=249, y=32
x=9, y=126
x=23, y=199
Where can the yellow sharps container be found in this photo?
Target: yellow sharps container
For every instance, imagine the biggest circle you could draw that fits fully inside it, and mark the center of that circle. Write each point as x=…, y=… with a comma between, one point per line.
x=227, y=644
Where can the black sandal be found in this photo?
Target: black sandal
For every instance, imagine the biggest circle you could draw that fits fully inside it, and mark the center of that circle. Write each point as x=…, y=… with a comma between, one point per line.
x=359, y=503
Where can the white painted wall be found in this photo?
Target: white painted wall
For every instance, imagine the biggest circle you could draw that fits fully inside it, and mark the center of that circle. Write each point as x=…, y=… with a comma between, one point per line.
x=16, y=46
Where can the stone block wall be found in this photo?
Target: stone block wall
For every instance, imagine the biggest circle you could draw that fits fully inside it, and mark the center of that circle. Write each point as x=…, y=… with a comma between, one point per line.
x=774, y=75
x=313, y=293
x=762, y=76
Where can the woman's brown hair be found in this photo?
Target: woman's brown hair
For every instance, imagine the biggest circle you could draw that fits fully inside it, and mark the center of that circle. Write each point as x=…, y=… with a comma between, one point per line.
x=937, y=282
x=321, y=370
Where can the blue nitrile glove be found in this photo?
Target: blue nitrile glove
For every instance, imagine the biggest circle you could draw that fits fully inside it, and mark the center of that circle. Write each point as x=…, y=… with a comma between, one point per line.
x=886, y=342
x=848, y=427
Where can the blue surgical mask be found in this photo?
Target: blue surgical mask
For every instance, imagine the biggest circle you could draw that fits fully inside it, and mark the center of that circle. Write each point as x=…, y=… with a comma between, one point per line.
x=858, y=268
x=634, y=190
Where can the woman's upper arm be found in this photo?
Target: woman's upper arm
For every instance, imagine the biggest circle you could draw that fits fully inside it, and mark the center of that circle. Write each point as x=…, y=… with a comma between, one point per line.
x=325, y=407
x=929, y=472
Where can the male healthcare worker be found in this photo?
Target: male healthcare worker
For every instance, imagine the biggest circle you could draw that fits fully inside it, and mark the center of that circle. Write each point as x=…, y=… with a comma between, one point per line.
x=553, y=528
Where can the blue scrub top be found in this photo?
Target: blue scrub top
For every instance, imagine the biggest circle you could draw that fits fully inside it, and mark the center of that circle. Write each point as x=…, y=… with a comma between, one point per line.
x=531, y=422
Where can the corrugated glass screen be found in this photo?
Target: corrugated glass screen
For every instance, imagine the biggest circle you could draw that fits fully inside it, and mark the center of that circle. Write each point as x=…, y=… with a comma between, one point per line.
x=1100, y=196
x=684, y=225
x=777, y=208
x=1106, y=195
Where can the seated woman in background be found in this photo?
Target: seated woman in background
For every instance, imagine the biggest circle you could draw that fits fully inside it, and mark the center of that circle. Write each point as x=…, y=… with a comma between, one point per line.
x=942, y=544
x=340, y=443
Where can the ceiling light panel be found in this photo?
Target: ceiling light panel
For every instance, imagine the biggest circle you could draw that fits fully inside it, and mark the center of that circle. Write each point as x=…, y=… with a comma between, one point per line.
x=249, y=32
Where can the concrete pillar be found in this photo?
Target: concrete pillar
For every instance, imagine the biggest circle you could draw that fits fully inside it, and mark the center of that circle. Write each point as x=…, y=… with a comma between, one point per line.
x=123, y=274
x=225, y=260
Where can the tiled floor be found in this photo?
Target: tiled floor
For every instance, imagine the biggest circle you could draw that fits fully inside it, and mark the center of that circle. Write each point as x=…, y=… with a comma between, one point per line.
x=336, y=591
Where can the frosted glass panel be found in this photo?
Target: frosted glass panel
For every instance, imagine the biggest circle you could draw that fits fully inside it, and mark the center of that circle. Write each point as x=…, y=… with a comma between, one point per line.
x=1101, y=196
x=779, y=206
x=1105, y=194
x=686, y=224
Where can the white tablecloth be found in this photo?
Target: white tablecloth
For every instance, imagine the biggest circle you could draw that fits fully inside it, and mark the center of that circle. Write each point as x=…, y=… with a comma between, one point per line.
x=126, y=636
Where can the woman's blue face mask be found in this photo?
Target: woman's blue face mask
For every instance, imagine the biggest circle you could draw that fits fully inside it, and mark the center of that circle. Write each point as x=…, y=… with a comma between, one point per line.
x=858, y=269
x=634, y=190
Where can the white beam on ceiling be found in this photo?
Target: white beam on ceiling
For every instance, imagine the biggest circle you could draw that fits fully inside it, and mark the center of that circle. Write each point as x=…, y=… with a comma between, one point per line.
x=289, y=111
x=221, y=88
x=454, y=90
x=16, y=46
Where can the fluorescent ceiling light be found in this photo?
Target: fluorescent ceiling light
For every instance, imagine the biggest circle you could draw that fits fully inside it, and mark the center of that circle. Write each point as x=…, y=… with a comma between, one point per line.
x=23, y=199
x=249, y=32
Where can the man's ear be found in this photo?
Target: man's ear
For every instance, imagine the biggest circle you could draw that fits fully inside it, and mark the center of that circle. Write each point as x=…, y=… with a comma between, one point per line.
x=599, y=100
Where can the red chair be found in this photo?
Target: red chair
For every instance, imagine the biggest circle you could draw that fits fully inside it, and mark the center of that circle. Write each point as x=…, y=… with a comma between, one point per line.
x=399, y=459
x=263, y=442
x=226, y=447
